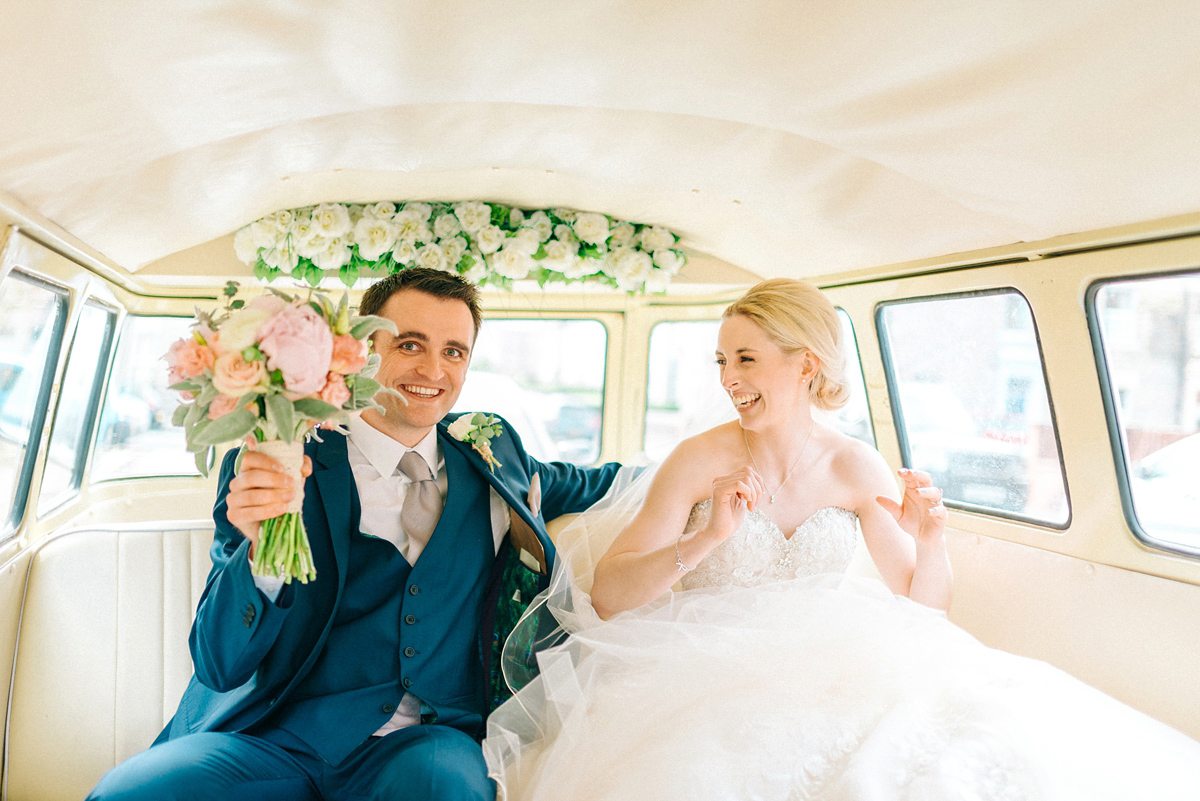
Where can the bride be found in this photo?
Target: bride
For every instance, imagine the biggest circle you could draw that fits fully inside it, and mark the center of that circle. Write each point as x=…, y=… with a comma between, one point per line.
x=771, y=674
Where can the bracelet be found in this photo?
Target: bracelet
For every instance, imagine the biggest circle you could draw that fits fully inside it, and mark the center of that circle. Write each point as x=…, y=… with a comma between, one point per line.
x=679, y=559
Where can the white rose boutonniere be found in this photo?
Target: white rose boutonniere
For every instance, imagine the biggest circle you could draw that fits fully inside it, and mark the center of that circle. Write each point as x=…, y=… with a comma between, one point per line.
x=478, y=430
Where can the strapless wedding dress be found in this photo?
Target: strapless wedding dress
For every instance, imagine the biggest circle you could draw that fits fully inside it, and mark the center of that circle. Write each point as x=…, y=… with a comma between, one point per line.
x=775, y=676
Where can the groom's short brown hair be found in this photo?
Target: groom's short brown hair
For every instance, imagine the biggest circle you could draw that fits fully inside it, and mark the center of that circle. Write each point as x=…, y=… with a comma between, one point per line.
x=423, y=279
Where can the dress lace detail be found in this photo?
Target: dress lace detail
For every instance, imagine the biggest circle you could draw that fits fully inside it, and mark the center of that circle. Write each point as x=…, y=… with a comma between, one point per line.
x=759, y=553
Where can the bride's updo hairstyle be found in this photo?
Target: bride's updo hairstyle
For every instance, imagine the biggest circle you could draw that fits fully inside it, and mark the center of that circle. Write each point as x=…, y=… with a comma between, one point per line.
x=796, y=315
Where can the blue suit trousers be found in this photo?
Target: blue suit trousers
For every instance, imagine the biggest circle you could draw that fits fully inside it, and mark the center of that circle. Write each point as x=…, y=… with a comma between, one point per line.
x=418, y=763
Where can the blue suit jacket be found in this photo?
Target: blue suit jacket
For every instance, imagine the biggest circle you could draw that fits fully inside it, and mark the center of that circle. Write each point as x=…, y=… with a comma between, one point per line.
x=249, y=652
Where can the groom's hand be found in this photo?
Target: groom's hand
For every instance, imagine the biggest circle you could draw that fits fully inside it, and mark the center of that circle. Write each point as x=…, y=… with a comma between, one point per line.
x=261, y=490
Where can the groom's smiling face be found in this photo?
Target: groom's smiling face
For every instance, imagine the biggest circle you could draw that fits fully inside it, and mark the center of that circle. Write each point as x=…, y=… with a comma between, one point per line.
x=426, y=362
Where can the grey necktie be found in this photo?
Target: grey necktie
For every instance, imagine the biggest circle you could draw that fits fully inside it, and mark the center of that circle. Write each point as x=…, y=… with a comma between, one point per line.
x=422, y=502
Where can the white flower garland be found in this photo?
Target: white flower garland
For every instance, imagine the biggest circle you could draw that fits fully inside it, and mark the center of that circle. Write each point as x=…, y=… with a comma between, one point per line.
x=489, y=244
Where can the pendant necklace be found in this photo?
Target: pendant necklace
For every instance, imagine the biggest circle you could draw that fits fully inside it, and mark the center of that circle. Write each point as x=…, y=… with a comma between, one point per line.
x=795, y=464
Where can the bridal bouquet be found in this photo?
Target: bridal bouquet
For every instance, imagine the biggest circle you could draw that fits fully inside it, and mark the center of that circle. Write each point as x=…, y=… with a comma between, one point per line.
x=276, y=368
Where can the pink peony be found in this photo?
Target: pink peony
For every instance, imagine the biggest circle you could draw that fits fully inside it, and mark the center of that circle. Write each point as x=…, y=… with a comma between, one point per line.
x=221, y=405
x=335, y=391
x=188, y=358
x=298, y=342
x=349, y=354
x=233, y=375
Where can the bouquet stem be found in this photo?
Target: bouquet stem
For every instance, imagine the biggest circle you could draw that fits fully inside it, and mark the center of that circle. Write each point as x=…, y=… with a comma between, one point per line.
x=282, y=549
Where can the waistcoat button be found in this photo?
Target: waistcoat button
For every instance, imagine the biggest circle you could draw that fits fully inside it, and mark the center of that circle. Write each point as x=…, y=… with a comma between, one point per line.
x=407, y=682
x=410, y=619
x=414, y=589
x=388, y=708
x=410, y=651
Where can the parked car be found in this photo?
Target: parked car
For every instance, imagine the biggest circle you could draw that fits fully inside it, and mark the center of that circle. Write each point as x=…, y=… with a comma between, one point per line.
x=1166, y=491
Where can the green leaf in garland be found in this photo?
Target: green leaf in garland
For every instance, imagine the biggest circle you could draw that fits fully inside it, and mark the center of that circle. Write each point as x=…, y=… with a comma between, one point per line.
x=348, y=273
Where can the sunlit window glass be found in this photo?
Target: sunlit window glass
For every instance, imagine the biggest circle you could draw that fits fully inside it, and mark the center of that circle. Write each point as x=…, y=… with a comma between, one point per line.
x=32, y=317
x=76, y=407
x=1149, y=330
x=684, y=395
x=546, y=378
x=136, y=437
x=969, y=395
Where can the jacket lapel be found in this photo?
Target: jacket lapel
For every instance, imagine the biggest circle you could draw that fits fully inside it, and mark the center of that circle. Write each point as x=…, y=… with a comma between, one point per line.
x=335, y=481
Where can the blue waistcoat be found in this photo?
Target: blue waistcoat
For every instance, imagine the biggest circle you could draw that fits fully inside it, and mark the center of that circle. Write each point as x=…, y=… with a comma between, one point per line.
x=403, y=629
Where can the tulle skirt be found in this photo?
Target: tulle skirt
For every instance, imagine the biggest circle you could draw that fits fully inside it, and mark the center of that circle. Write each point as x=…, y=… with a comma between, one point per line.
x=822, y=688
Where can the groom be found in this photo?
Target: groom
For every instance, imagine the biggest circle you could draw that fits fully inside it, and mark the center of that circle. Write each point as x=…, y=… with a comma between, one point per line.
x=373, y=680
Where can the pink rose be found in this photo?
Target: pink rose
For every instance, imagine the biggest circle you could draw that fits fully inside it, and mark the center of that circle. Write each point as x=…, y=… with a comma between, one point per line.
x=233, y=375
x=298, y=342
x=221, y=405
x=188, y=358
x=335, y=391
x=349, y=354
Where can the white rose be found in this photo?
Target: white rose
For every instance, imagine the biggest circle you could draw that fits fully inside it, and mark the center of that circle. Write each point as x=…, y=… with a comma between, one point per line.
x=410, y=227
x=473, y=215
x=335, y=254
x=240, y=331
x=671, y=261
x=446, y=226
x=264, y=232
x=283, y=255
x=374, y=237
x=582, y=268
x=515, y=217
x=431, y=256
x=302, y=226
x=511, y=263
x=560, y=256
x=655, y=237
x=539, y=221
x=564, y=233
x=382, y=210
x=632, y=268
x=460, y=427
x=621, y=236
x=312, y=244
x=490, y=239
x=453, y=249
x=244, y=247
x=284, y=219
x=404, y=253
x=526, y=239
x=331, y=220
x=421, y=211
x=591, y=227
x=566, y=215
x=658, y=281
x=477, y=271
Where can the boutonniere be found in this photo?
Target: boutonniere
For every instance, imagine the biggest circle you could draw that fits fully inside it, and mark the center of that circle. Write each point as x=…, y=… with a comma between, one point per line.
x=478, y=429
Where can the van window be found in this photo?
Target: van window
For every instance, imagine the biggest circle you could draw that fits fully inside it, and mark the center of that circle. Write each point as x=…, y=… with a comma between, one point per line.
x=970, y=403
x=546, y=378
x=32, y=318
x=136, y=437
x=77, y=402
x=684, y=395
x=1147, y=335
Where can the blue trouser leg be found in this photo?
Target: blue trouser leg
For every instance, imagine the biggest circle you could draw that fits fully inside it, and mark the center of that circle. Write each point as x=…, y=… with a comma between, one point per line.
x=206, y=766
x=420, y=763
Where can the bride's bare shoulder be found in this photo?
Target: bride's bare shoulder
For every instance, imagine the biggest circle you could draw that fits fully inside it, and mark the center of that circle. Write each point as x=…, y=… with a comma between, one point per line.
x=703, y=457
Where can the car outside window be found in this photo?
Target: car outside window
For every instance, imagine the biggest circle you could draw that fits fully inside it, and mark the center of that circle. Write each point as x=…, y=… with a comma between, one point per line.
x=546, y=378
x=32, y=318
x=968, y=392
x=684, y=395
x=1146, y=332
x=135, y=437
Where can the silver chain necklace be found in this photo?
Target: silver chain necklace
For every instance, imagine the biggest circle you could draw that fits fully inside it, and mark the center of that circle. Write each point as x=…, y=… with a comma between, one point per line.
x=795, y=464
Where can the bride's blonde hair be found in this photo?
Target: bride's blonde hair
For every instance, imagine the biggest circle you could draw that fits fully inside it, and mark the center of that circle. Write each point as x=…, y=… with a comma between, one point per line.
x=797, y=315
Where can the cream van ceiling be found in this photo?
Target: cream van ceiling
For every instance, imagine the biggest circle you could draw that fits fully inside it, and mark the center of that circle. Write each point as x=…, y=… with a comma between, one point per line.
x=785, y=137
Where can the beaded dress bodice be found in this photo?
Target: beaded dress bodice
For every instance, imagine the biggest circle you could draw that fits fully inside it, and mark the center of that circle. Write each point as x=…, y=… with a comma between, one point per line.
x=759, y=553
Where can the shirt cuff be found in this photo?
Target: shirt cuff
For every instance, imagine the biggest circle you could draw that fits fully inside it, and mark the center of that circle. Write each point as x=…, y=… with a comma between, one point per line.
x=269, y=586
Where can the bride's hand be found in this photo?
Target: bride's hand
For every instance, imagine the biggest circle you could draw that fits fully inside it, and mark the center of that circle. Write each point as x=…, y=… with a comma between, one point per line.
x=921, y=514
x=732, y=496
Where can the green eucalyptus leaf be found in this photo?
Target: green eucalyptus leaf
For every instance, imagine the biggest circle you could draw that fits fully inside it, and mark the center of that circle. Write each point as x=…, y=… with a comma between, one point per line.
x=280, y=415
x=362, y=327
x=180, y=414
x=315, y=409
x=226, y=428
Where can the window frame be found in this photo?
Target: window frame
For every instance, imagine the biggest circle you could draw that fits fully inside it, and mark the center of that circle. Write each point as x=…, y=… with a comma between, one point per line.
x=1116, y=430
x=37, y=424
x=92, y=415
x=895, y=404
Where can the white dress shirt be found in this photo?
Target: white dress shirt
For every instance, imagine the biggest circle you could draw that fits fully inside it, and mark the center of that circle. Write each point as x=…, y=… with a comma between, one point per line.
x=374, y=457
